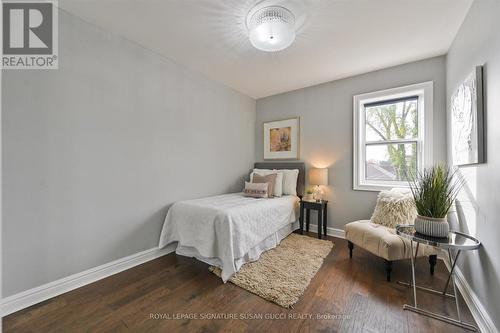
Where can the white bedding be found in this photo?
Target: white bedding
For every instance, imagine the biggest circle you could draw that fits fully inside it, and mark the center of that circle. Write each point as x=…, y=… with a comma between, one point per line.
x=228, y=230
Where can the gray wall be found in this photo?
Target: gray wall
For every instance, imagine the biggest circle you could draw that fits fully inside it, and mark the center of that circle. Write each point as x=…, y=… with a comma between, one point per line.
x=478, y=43
x=326, y=128
x=94, y=152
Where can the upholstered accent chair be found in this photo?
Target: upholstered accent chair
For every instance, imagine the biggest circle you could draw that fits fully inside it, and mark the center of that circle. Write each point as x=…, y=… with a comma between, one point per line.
x=383, y=242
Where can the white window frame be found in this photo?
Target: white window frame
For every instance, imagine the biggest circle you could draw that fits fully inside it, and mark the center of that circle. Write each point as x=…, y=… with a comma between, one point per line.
x=424, y=92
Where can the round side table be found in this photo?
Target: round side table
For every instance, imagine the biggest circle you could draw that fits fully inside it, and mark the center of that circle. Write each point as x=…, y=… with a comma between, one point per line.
x=456, y=241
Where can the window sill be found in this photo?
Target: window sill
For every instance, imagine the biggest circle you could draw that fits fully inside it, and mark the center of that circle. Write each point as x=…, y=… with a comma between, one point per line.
x=379, y=187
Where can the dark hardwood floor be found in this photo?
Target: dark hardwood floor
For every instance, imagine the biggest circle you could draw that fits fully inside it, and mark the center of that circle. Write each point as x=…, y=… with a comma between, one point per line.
x=350, y=295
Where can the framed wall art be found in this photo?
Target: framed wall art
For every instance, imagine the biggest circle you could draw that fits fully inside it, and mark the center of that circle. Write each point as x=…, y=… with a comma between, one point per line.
x=281, y=139
x=467, y=120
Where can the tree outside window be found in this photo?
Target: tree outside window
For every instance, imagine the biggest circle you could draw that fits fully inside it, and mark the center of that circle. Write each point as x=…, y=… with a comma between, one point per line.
x=391, y=139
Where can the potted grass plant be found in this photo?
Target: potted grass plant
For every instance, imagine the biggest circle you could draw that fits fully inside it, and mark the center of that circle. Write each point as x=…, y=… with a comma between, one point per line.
x=434, y=191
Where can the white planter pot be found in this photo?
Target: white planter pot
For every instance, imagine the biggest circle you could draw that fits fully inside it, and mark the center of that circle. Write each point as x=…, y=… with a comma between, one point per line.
x=431, y=226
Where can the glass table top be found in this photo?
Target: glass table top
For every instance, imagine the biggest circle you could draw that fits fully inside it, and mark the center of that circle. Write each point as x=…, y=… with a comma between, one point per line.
x=455, y=240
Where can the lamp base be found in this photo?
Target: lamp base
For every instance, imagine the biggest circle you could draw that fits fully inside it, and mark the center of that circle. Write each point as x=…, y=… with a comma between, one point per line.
x=318, y=194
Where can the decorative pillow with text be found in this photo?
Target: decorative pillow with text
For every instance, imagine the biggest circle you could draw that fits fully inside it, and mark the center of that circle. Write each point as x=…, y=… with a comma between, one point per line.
x=256, y=190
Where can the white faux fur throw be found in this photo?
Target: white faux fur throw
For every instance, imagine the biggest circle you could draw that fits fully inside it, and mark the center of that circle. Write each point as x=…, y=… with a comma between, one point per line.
x=394, y=207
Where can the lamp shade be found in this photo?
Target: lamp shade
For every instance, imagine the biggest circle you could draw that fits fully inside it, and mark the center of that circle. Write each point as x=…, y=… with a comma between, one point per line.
x=318, y=176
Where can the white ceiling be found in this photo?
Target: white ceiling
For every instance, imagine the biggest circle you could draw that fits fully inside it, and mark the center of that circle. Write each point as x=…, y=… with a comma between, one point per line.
x=339, y=38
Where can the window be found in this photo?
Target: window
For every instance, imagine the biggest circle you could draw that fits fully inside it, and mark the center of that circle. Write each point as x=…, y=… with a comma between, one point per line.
x=392, y=136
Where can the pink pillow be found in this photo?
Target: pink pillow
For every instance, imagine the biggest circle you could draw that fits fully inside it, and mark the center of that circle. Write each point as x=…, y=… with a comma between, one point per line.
x=269, y=179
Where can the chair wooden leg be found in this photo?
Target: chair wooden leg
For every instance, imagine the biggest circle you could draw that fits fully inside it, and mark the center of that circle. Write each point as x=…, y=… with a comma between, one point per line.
x=350, y=245
x=432, y=262
x=388, y=269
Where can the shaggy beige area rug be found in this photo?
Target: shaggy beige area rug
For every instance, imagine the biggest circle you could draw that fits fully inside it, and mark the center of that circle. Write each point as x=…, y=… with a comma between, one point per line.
x=281, y=275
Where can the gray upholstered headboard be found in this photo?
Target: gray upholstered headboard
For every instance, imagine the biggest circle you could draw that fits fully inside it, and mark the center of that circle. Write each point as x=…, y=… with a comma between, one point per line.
x=301, y=181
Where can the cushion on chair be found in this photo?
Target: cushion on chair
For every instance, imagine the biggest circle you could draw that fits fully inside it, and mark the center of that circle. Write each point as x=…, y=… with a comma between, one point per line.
x=382, y=241
x=394, y=207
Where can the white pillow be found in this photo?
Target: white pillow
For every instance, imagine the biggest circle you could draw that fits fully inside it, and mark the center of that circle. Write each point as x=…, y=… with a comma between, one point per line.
x=278, y=185
x=290, y=181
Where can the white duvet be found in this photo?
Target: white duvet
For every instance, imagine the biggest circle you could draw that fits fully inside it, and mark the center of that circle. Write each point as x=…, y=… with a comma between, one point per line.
x=221, y=230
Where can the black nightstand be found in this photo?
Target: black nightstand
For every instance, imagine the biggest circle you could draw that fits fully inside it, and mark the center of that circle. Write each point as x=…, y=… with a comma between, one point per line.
x=320, y=206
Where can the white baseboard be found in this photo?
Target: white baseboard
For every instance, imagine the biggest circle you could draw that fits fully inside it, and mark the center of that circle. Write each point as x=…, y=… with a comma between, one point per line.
x=334, y=232
x=39, y=294
x=475, y=306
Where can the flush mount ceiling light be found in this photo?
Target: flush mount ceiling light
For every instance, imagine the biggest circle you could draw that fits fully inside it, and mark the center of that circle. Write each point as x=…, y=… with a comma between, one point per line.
x=271, y=28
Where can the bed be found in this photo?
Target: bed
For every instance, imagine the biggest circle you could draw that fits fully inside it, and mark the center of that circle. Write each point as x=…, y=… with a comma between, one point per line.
x=230, y=230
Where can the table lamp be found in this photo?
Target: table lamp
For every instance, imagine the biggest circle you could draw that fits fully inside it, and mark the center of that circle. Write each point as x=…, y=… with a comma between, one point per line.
x=318, y=177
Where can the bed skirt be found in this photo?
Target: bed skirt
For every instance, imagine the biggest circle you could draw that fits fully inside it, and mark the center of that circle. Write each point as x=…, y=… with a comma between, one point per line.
x=253, y=255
